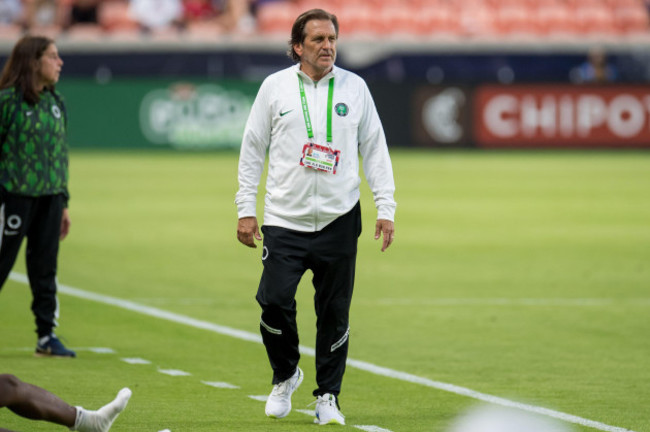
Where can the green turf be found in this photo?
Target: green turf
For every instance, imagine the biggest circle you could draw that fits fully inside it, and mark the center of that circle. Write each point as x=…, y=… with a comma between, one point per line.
x=521, y=275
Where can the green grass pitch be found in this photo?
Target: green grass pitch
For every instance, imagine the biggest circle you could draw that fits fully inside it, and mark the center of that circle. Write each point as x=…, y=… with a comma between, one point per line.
x=520, y=275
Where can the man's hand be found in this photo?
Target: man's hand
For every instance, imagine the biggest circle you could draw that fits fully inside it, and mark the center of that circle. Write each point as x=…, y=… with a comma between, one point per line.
x=65, y=224
x=387, y=229
x=248, y=231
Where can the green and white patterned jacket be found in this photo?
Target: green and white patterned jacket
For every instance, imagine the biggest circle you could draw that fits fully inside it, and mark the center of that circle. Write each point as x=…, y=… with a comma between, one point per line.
x=33, y=145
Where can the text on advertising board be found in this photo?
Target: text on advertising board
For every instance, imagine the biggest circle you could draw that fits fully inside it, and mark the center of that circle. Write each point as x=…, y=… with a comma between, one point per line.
x=617, y=116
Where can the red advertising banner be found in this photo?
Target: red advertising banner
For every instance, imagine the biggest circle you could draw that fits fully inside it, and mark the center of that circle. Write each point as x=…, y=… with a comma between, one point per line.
x=562, y=116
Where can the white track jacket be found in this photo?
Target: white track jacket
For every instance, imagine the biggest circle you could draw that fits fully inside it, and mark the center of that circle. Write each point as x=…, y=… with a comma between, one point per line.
x=300, y=198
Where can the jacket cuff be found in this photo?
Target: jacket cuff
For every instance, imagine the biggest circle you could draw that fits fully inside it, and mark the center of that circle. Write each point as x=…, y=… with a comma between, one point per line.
x=386, y=212
x=246, y=209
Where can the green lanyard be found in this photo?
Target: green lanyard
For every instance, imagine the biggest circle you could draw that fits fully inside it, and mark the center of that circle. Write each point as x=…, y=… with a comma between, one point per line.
x=305, y=109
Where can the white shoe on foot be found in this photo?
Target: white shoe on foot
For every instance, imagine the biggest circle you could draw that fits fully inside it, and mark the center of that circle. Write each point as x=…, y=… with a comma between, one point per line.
x=327, y=411
x=278, y=404
x=102, y=419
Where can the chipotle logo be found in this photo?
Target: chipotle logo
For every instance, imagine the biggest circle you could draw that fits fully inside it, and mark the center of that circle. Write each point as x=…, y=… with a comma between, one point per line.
x=441, y=116
x=554, y=116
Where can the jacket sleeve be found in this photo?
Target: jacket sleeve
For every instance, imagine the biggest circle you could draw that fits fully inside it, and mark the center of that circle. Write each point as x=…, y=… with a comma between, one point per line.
x=255, y=142
x=376, y=160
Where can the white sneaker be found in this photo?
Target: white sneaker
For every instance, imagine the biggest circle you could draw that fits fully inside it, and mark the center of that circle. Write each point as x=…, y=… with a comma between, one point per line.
x=327, y=412
x=278, y=405
x=102, y=419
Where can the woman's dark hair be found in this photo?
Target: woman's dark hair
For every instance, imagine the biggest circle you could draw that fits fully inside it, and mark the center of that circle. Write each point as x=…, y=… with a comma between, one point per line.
x=298, y=29
x=21, y=68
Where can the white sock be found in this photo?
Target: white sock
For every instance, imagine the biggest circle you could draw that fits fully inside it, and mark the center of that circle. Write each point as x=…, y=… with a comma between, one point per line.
x=102, y=419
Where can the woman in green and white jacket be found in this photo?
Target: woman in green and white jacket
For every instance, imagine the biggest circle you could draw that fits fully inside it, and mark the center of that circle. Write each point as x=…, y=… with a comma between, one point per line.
x=34, y=177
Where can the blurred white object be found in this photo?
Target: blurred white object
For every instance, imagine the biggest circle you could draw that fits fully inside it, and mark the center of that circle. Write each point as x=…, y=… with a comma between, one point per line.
x=156, y=13
x=490, y=418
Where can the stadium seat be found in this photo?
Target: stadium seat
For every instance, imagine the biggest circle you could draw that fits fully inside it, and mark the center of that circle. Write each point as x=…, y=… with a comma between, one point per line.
x=421, y=4
x=547, y=3
x=276, y=17
x=595, y=20
x=395, y=19
x=632, y=20
x=624, y=3
x=530, y=4
x=440, y=20
x=328, y=5
x=380, y=4
x=332, y=6
x=476, y=19
x=585, y=3
x=555, y=20
x=356, y=19
x=516, y=20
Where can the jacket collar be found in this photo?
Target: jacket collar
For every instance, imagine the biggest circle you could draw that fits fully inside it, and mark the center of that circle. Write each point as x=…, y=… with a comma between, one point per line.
x=329, y=75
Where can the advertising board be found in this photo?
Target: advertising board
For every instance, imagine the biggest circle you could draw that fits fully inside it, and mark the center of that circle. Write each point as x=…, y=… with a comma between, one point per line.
x=532, y=116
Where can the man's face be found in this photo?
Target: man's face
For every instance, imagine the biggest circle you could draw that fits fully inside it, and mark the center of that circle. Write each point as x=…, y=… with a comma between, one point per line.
x=318, y=51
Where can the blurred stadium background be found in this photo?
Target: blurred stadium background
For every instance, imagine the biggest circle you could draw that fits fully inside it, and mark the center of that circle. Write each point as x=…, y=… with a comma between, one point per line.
x=445, y=73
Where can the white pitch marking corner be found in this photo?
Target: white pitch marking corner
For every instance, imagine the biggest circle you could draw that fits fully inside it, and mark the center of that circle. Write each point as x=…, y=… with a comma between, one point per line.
x=174, y=372
x=135, y=360
x=218, y=384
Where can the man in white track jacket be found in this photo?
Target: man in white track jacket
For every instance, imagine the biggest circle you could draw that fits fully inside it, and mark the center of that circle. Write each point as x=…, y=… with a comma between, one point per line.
x=314, y=119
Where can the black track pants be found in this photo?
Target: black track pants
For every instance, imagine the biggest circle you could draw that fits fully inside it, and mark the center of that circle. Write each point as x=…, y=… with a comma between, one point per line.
x=38, y=219
x=331, y=255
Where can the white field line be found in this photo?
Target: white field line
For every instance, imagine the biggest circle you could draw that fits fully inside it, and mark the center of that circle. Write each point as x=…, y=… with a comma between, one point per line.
x=367, y=428
x=371, y=428
x=261, y=398
x=358, y=364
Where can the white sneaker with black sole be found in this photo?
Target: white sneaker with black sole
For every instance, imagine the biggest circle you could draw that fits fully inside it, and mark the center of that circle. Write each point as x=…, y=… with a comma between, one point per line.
x=327, y=411
x=278, y=404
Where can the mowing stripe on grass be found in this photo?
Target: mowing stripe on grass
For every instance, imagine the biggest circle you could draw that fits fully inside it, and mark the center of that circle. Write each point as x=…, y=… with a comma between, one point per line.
x=358, y=364
x=487, y=301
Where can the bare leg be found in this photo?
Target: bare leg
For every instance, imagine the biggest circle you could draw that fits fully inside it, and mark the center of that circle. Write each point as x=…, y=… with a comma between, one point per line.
x=34, y=403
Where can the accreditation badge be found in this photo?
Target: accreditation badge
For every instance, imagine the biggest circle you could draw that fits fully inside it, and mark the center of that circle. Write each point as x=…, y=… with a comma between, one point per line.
x=321, y=158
